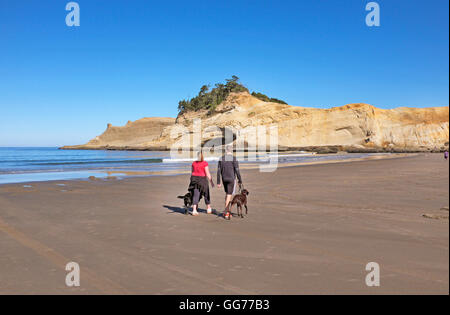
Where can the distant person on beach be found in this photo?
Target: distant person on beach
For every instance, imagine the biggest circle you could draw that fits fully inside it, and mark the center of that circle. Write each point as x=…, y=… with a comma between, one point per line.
x=446, y=155
x=199, y=186
x=228, y=169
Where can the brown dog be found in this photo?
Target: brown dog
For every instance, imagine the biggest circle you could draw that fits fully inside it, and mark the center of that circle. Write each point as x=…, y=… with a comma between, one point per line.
x=239, y=200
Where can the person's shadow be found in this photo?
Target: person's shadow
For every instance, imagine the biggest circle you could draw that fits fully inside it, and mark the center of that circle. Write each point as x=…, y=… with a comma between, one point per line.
x=182, y=210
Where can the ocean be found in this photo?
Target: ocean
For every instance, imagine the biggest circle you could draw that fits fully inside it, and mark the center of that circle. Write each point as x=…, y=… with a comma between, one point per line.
x=20, y=165
x=42, y=164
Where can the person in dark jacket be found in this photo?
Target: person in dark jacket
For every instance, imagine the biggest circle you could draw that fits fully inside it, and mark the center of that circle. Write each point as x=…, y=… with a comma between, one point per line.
x=228, y=169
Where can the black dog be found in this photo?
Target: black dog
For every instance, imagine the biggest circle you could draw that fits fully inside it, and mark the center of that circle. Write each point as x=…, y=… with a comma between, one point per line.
x=239, y=200
x=187, y=201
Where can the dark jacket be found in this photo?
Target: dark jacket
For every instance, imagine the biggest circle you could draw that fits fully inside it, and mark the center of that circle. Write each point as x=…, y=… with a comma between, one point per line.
x=228, y=168
x=200, y=183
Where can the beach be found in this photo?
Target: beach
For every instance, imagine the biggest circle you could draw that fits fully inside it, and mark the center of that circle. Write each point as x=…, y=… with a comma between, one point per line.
x=311, y=229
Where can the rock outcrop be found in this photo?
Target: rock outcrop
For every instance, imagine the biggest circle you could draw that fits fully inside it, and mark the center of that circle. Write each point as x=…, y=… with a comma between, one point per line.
x=353, y=127
x=137, y=135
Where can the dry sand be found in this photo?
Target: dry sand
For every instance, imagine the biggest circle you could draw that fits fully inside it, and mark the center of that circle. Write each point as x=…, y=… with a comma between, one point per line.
x=310, y=230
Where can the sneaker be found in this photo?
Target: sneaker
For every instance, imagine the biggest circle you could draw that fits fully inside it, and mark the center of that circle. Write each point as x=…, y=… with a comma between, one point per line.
x=209, y=211
x=226, y=215
x=195, y=212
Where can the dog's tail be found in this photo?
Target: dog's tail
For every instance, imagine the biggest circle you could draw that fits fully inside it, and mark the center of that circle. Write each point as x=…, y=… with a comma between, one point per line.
x=181, y=197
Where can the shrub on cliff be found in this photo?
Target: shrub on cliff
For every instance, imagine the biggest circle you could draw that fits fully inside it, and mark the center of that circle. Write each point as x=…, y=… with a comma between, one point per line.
x=209, y=99
x=265, y=98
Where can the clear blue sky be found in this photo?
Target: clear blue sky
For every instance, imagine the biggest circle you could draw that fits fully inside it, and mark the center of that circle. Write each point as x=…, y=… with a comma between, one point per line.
x=138, y=58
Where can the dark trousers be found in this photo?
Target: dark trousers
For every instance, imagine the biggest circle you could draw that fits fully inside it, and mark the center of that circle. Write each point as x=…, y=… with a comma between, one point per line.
x=196, y=198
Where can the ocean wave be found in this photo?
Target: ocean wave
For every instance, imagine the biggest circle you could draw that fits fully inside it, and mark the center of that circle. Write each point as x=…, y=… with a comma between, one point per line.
x=139, y=161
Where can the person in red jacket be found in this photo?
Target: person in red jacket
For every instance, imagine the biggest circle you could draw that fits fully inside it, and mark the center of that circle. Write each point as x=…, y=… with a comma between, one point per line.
x=199, y=186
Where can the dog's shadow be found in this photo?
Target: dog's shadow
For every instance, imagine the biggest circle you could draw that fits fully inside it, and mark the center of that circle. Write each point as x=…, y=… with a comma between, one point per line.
x=182, y=210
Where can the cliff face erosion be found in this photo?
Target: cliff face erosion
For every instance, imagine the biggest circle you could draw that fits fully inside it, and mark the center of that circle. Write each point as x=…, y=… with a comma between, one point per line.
x=353, y=127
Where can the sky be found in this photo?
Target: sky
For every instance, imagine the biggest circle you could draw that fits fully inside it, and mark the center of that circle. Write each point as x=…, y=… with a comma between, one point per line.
x=61, y=85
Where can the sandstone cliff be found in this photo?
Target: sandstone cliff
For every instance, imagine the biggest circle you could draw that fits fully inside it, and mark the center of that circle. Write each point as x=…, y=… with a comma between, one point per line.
x=137, y=135
x=353, y=127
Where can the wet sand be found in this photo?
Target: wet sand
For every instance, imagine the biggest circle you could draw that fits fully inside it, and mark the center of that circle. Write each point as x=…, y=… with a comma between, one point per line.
x=310, y=230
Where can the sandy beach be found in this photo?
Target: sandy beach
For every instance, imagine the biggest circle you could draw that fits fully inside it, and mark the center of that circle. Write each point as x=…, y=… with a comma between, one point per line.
x=310, y=230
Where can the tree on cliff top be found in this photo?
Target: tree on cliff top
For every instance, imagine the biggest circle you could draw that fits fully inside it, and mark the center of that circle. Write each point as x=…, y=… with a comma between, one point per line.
x=209, y=99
